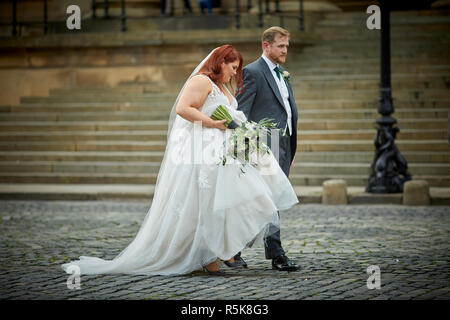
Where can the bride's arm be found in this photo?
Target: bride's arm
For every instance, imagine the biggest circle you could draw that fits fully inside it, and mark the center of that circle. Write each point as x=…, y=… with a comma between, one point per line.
x=192, y=98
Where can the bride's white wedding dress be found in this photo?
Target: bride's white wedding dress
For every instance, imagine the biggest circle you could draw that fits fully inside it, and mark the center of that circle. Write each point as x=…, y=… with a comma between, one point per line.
x=200, y=211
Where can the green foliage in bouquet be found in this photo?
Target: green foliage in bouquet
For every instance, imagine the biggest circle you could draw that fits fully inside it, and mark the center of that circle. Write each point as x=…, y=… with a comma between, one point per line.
x=246, y=138
x=221, y=113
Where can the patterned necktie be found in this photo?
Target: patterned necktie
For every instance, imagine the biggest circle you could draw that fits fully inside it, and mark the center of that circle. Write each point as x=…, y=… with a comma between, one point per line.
x=278, y=72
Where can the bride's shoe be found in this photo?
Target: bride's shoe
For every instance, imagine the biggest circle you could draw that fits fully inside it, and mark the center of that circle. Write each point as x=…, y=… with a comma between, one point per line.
x=215, y=272
x=238, y=262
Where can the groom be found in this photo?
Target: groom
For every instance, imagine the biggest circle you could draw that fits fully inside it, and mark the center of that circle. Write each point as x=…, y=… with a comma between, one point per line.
x=268, y=94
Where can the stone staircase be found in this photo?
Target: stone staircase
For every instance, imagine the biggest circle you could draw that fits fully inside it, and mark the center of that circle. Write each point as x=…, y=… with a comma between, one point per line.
x=115, y=137
x=337, y=90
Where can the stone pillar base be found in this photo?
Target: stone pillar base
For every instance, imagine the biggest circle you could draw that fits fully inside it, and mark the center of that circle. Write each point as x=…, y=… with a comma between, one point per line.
x=334, y=192
x=416, y=193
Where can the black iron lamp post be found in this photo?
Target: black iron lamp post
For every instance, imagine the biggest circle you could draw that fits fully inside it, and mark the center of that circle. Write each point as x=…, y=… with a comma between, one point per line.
x=389, y=167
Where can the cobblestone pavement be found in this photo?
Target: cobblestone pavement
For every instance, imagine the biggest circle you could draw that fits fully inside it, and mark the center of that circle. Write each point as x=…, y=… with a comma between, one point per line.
x=334, y=245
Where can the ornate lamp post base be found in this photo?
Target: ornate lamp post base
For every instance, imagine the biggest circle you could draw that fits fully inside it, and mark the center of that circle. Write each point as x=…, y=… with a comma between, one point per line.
x=389, y=167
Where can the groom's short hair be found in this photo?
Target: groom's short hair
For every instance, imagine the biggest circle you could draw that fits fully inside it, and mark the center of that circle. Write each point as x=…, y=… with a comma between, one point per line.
x=269, y=34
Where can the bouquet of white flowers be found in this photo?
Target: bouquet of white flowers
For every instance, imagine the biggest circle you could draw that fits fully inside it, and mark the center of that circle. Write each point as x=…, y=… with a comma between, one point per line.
x=245, y=143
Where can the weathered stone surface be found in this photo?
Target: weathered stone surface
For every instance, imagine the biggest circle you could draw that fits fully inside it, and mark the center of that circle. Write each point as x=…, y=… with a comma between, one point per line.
x=416, y=193
x=334, y=192
x=334, y=245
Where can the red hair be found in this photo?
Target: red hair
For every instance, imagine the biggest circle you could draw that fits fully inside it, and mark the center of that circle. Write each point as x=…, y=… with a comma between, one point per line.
x=212, y=67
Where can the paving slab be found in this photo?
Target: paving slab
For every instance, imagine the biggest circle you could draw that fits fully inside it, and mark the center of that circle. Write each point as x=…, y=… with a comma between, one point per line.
x=335, y=245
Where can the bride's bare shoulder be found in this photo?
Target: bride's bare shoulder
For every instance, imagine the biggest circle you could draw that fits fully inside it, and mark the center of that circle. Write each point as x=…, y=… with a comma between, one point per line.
x=201, y=78
x=200, y=82
x=198, y=86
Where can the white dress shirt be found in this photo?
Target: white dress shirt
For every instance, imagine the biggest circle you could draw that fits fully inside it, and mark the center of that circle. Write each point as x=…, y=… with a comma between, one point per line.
x=283, y=91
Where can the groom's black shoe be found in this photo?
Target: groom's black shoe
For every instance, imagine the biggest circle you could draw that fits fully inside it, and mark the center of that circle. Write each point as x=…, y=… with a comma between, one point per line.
x=282, y=263
x=238, y=262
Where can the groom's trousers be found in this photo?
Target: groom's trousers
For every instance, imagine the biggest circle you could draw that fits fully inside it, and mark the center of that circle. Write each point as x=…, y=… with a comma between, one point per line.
x=272, y=243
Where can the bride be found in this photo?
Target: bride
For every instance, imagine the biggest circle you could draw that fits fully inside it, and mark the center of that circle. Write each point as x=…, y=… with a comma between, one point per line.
x=202, y=210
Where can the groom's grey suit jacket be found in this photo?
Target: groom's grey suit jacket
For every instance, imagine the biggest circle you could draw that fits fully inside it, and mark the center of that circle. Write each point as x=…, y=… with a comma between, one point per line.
x=261, y=98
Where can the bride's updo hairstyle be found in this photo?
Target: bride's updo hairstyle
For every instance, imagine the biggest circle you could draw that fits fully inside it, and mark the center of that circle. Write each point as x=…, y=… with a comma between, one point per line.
x=212, y=67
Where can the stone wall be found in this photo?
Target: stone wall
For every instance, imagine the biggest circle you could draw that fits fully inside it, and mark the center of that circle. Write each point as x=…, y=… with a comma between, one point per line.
x=33, y=10
x=31, y=67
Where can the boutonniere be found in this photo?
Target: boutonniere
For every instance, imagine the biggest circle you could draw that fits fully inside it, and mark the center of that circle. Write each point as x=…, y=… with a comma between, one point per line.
x=286, y=76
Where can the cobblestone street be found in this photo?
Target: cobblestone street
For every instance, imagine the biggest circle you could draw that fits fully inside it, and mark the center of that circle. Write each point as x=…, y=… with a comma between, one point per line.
x=334, y=245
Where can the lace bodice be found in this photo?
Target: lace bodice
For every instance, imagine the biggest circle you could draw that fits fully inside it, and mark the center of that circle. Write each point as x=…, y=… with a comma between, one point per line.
x=216, y=97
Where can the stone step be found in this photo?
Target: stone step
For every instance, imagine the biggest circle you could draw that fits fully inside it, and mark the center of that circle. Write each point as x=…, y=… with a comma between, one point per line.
x=81, y=116
x=306, y=194
x=348, y=34
x=155, y=104
x=62, y=177
x=438, y=86
x=125, y=156
x=328, y=60
x=397, y=31
x=435, y=113
x=427, y=14
x=80, y=167
x=157, y=156
x=123, y=98
x=302, y=145
x=369, y=84
x=357, y=180
x=430, y=113
x=154, y=87
x=96, y=94
x=303, y=124
x=107, y=107
x=360, y=44
x=354, y=81
x=150, y=178
x=161, y=135
x=145, y=192
x=348, y=124
x=367, y=156
x=404, y=94
x=399, y=105
x=83, y=125
x=375, y=69
x=364, y=95
x=362, y=62
x=125, y=88
x=372, y=50
x=311, y=54
x=396, y=20
x=396, y=77
x=74, y=136
x=367, y=145
x=424, y=134
x=159, y=101
x=435, y=81
x=364, y=168
x=83, y=145
x=153, y=167
x=344, y=81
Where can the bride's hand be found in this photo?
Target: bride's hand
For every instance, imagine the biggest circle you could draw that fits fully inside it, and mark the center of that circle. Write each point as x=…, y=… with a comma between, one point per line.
x=219, y=124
